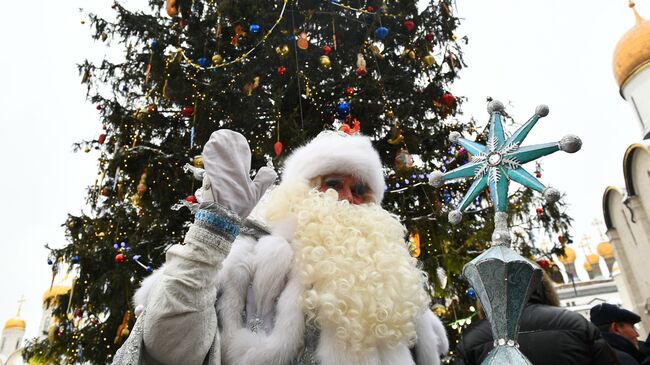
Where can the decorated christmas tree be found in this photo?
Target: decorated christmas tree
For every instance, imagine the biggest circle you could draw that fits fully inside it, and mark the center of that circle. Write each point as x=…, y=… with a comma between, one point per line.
x=279, y=72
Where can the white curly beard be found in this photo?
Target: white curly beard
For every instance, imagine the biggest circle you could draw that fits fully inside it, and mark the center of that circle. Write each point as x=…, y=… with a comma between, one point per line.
x=360, y=281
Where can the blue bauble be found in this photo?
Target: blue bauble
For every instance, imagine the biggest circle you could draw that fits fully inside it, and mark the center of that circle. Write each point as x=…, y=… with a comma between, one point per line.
x=50, y=261
x=471, y=293
x=154, y=43
x=149, y=269
x=203, y=62
x=254, y=28
x=335, y=1
x=75, y=259
x=381, y=32
x=343, y=109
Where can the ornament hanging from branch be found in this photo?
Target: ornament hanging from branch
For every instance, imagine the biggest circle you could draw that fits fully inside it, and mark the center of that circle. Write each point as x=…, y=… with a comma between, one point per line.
x=325, y=62
x=123, y=328
x=414, y=244
x=251, y=86
x=361, y=65
x=239, y=32
x=346, y=128
x=302, y=42
x=396, y=136
x=277, y=148
x=403, y=160
x=282, y=51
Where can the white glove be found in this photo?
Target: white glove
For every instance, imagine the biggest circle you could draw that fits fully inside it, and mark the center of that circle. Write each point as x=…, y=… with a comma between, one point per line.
x=227, y=162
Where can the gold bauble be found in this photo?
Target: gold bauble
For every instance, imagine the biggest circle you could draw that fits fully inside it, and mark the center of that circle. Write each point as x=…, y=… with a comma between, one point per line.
x=389, y=114
x=429, y=60
x=325, y=61
x=439, y=310
x=412, y=55
x=87, y=149
x=282, y=51
x=104, y=36
x=217, y=59
x=198, y=161
x=125, y=332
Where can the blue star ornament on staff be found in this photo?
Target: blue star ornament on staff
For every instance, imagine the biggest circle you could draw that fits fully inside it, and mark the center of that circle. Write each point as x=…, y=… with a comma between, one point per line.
x=500, y=161
x=502, y=279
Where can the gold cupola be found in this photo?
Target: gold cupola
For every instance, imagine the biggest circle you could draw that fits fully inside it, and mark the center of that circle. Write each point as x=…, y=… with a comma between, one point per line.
x=605, y=250
x=569, y=256
x=15, y=323
x=632, y=69
x=632, y=53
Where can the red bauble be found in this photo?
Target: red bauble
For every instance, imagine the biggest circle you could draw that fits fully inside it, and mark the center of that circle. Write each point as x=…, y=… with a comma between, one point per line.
x=409, y=25
x=188, y=111
x=98, y=107
x=119, y=258
x=327, y=50
x=102, y=138
x=361, y=72
x=429, y=37
x=282, y=70
x=370, y=9
x=562, y=239
x=114, y=6
x=349, y=91
x=278, y=148
x=448, y=100
x=539, y=211
x=538, y=174
x=191, y=199
x=544, y=263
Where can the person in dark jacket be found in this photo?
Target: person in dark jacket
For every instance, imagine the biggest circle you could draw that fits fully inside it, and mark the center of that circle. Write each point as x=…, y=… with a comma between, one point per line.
x=547, y=335
x=617, y=328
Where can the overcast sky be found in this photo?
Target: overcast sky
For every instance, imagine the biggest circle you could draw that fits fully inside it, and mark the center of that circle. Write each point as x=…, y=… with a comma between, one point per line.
x=524, y=53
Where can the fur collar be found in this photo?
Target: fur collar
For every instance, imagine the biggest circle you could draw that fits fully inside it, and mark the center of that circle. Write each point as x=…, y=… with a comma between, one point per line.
x=264, y=267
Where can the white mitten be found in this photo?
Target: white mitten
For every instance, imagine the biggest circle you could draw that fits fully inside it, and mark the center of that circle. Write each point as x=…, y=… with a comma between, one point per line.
x=227, y=162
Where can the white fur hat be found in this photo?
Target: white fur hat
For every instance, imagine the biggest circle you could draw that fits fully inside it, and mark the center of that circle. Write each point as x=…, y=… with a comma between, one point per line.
x=332, y=152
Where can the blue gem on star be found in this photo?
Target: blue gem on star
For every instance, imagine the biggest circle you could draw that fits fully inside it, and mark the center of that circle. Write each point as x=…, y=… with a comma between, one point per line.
x=494, y=165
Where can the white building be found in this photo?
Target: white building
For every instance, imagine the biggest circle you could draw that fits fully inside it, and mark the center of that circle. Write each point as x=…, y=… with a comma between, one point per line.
x=11, y=343
x=626, y=210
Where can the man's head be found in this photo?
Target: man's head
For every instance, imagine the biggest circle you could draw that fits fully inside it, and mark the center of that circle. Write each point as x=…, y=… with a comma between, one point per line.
x=611, y=318
x=351, y=159
x=360, y=283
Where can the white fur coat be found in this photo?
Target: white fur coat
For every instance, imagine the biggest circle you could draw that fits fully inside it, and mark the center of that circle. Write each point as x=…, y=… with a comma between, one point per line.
x=257, y=278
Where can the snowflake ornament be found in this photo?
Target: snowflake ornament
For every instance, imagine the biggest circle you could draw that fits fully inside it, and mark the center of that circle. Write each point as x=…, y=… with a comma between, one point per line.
x=495, y=164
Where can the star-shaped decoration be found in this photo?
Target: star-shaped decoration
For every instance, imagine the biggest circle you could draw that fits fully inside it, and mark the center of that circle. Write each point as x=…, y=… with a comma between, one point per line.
x=495, y=164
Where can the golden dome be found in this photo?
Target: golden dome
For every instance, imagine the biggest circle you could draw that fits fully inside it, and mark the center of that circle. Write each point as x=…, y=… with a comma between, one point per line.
x=632, y=53
x=15, y=323
x=605, y=249
x=55, y=291
x=569, y=256
x=593, y=259
x=587, y=266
